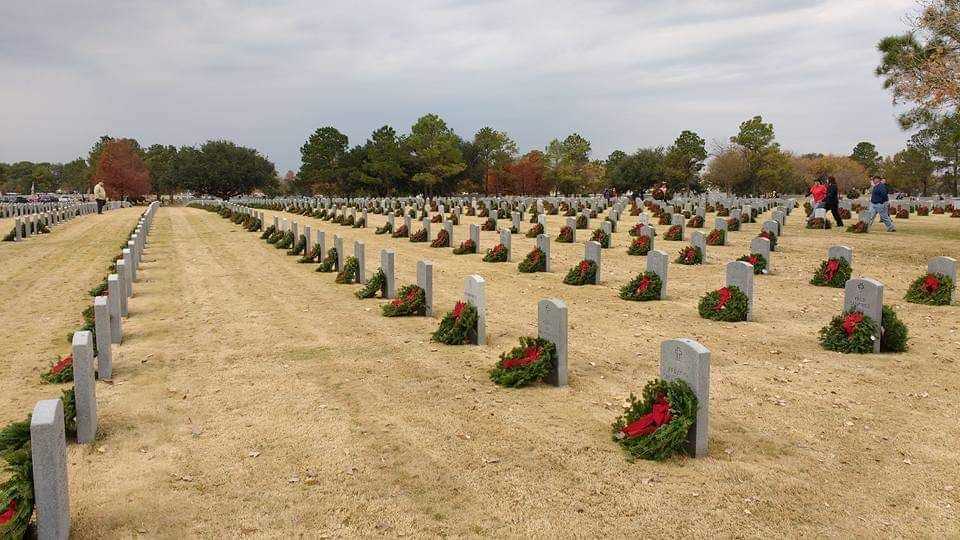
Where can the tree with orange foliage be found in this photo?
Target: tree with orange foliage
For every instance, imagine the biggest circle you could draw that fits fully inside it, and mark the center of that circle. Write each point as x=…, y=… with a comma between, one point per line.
x=525, y=176
x=123, y=173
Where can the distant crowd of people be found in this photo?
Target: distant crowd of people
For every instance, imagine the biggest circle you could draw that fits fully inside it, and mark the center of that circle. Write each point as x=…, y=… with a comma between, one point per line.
x=826, y=195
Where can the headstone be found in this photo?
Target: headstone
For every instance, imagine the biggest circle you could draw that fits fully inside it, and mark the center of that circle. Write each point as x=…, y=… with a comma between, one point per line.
x=761, y=246
x=341, y=256
x=505, y=240
x=448, y=226
x=606, y=227
x=572, y=223
x=124, y=286
x=820, y=213
x=425, y=282
x=101, y=315
x=689, y=361
x=475, y=235
x=114, y=288
x=516, y=221
x=48, y=449
x=591, y=252
x=720, y=224
x=387, y=257
x=308, y=236
x=771, y=226
x=543, y=244
x=426, y=227
x=740, y=275
x=128, y=264
x=840, y=252
x=85, y=386
x=552, y=326
x=17, y=230
x=657, y=262
x=407, y=223
x=474, y=292
x=948, y=267
x=698, y=239
x=358, y=252
x=866, y=296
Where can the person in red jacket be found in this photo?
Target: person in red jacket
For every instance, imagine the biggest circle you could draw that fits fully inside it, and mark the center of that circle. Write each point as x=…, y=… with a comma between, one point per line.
x=818, y=192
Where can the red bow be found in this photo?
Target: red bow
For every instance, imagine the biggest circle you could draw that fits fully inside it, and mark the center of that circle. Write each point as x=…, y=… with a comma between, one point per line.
x=533, y=353
x=584, y=267
x=832, y=266
x=851, y=322
x=458, y=309
x=648, y=423
x=644, y=284
x=61, y=365
x=688, y=255
x=931, y=284
x=724, y=297
x=7, y=515
x=752, y=260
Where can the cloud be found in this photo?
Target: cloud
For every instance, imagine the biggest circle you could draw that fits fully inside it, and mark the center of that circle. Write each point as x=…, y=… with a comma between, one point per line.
x=624, y=74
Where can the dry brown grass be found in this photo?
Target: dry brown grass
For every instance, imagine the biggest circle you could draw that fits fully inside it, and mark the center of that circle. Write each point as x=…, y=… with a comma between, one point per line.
x=253, y=396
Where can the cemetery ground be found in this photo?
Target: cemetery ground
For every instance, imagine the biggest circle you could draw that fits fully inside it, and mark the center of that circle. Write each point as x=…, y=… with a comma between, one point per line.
x=253, y=396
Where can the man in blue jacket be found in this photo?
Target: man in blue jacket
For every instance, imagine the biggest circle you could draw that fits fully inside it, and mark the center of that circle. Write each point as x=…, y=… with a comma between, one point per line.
x=878, y=202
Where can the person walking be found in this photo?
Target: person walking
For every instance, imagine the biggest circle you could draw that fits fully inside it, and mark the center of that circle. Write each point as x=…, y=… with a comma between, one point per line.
x=100, y=195
x=879, y=197
x=817, y=192
x=831, y=201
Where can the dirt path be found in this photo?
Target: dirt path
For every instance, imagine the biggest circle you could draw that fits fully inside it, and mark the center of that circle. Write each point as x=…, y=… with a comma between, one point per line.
x=252, y=395
x=44, y=290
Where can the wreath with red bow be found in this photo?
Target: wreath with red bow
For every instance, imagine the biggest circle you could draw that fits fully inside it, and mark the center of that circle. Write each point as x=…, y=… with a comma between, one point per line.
x=533, y=360
x=859, y=227
x=60, y=372
x=385, y=229
x=657, y=426
x=350, y=273
x=535, y=261
x=771, y=236
x=411, y=300
x=717, y=237
x=489, y=225
x=832, y=273
x=728, y=304
x=733, y=224
x=584, y=273
x=690, y=255
x=437, y=218
x=456, y=325
x=582, y=221
x=565, y=236
x=16, y=492
x=535, y=231
x=932, y=289
x=497, y=253
x=442, y=240
x=851, y=332
x=419, y=236
x=758, y=261
x=329, y=263
x=639, y=246
x=467, y=246
x=903, y=213
x=602, y=237
x=401, y=232
x=643, y=288
x=696, y=222
x=377, y=283
x=674, y=233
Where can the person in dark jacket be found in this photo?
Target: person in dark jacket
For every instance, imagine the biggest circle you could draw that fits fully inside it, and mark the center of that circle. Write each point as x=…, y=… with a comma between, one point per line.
x=831, y=201
x=879, y=197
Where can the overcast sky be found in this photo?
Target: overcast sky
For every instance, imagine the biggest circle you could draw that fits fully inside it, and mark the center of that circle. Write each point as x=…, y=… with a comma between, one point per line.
x=624, y=74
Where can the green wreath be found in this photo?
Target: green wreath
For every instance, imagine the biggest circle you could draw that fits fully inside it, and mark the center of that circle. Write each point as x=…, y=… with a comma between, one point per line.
x=818, y=223
x=497, y=253
x=489, y=225
x=268, y=232
x=411, y=300
x=442, y=240
x=60, y=372
x=895, y=333
x=758, y=261
x=100, y=289
x=531, y=362
x=657, y=426
x=833, y=272
x=419, y=236
x=360, y=223
x=584, y=273
x=401, y=232
x=602, y=237
x=387, y=228
x=310, y=256
x=456, y=325
x=859, y=227
x=329, y=264
x=350, y=273
x=286, y=242
x=696, y=222
x=674, y=233
x=643, y=288
x=690, y=255
x=639, y=246
x=771, y=236
x=727, y=304
x=377, y=283
x=932, y=289
x=299, y=247
x=717, y=237
x=851, y=332
x=565, y=236
x=275, y=237
x=536, y=230
x=535, y=261
x=582, y=221
x=733, y=224
x=16, y=493
x=467, y=246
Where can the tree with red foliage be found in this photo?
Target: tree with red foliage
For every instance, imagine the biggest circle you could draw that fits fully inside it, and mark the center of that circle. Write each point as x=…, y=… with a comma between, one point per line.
x=525, y=176
x=123, y=173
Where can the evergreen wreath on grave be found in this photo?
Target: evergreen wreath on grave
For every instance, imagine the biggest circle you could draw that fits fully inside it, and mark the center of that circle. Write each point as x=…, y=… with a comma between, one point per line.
x=377, y=283
x=503, y=214
x=723, y=212
x=411, y=300
x=442, y=240
x=851, y=332
x=320, y=214
x=771, y=236
x=859, y=227
x=531, y=362
x=570, y=212
x=535, y=261
x=535, y=231
x=727, y=304
x=717, y=237
x=268, y=232
x=955, y=213
x=644, y=287
x=299, y=247
x=484, y=212
x=690, y=255
x=664, y=218
x=385, y=229
x=489, y=225
x=584, y=273
x=437, y=218
x=656, y=426
x=252, y=224
x=348, y=221
x=338, y=219
x=601, y=237
x=733, y=224
x=674, y=233
x=832, y=273
x=635, y=230
x=60, y=372
x=639, y=246
x=497, y=253
x=807, y=208
x=275, y=237
x=350, y=273
x=466, y=247
x=419, y=236
x=285, y=241
x=16, y=492
x=696, y=222
x=533, y=215
x=456, y=325
x=903, y=213
x=100, y=289
x=923, y=211
x=895, y=333
x=312, y=255
x=329, y=264
x=565, y=236
x=709, y=208
x=453, y=219
x=758, y=261
x=932, y=289
x=401, y=232
x=360, y=223
x=330, y=215
x=819, y=223
x=747, y=218
x=844, y=213
x=471, y=211
x=936, y=210
x=581, y=221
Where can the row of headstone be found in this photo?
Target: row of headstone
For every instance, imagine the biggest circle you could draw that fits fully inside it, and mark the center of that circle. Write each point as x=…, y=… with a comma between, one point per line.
x=28, y=225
